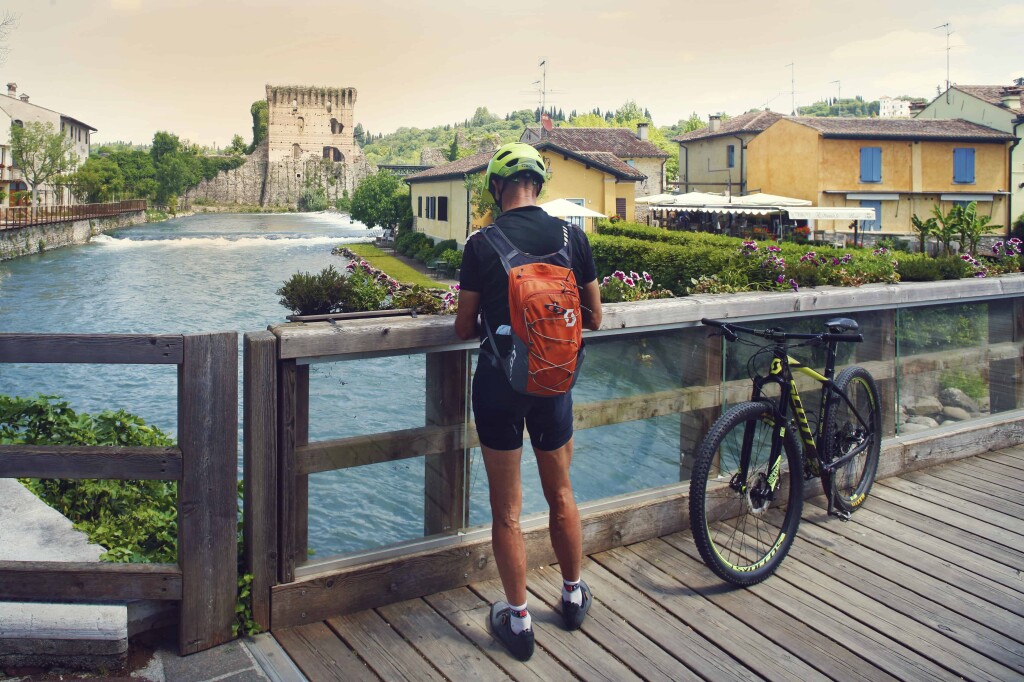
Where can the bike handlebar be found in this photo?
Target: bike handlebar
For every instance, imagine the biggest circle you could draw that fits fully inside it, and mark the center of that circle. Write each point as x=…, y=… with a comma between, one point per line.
x=729, y=330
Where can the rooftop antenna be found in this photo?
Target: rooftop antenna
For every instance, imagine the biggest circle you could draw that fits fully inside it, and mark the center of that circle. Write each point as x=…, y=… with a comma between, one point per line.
x=839, y=96
x=792, y=86
x=543, y=83
x=949, y=32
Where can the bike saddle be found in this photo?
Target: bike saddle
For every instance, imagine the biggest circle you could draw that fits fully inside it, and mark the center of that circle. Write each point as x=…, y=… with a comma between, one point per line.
x=838, y=325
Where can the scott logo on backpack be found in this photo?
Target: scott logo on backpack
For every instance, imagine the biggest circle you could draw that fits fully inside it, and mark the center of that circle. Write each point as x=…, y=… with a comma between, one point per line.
x=547, y=342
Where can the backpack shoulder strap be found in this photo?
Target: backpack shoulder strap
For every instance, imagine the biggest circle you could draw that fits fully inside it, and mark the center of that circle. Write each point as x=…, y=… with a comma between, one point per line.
x=501, y=245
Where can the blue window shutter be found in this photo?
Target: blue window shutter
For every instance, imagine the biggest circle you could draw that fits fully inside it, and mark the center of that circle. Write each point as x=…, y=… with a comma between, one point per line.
x=870, y=164
x=963, y=165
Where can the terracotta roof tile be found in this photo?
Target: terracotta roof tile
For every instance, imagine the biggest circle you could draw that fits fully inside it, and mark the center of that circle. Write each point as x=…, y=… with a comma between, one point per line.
x=993, y=94
x=901, y=128
x=751, y=122
x=622, y=142
x=463, y=166
x=605, y=161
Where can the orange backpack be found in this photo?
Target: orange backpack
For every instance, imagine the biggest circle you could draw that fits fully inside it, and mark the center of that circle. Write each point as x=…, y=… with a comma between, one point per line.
x=547, y=320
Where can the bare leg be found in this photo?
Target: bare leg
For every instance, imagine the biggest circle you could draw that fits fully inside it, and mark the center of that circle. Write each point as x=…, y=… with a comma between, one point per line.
x=505, y=484
x=564, y=520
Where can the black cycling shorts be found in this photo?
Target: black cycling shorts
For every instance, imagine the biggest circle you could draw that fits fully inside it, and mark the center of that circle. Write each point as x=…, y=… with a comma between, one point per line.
x=500, y=412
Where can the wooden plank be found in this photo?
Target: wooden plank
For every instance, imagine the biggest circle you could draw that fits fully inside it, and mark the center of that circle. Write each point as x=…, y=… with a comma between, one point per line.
x=628, y=604
x=704, y=369
x=208, y=492
x=316, y=597
x=439, y=642
x=286, y=471
x=951, y=602
x=750, y=647
x=969, y=473
x=78, y=462
x=966, y=489
x=935, y=627
x=1015, y=454
x=381, y=648
x=88, y=581
x=880, y=614
x=320, y=655
x=927, y=523
x=803, y=605
x=427, y=332
x=446, y=474
x=106, y=349
x=343, y=453
x=986, y=579
x=989, y=517
x=469, y=614
x=1004, y=459
x=789, y=634
x=574, y=650
x=259, y=457
x=612, y=632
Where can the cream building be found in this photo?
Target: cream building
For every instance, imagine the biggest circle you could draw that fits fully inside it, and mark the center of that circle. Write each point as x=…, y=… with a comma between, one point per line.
x=714, y=158
x=18, y=110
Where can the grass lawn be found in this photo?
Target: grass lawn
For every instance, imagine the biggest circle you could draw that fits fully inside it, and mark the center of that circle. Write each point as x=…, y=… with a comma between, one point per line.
x=392, y=266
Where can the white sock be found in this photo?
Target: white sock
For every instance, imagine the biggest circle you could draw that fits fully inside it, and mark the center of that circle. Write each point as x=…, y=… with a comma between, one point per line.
x=520, y=618
x=571, y=592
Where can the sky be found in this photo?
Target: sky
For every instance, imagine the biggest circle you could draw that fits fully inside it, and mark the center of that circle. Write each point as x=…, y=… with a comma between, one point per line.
x=193, y=67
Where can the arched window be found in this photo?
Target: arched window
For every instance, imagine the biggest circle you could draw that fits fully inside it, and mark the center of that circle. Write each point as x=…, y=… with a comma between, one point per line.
x=302, y=124
x=296, y=151
x=336, y=126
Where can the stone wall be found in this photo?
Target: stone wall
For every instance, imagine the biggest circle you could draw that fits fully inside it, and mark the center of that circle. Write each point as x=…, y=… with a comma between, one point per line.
x=242, y=185
x=22, y=241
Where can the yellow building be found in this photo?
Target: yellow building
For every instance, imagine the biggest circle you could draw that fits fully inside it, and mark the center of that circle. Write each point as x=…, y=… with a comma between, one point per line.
x=442, y=206
x=714, y=158
x=898, y=167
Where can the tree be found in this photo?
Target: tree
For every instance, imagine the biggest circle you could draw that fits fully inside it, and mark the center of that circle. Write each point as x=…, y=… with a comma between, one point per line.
x=260, y=111
x=41, y=154
x=453, y=150
x=98, y=179
x=7, y=25
x=483, y=204
x=164, y=143
x=359, y=135
x=138, y=171
x=381, y=201
x=238, y=146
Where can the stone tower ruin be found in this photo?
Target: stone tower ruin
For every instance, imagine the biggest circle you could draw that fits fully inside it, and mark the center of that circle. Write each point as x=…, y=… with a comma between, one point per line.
x=310, y=143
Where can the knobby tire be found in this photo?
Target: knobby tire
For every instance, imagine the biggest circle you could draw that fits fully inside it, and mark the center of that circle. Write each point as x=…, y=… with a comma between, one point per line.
x=848, y=486
x=731, y=528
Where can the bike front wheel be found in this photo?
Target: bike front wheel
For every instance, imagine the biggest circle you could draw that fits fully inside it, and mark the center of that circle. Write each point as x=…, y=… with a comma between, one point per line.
x=853, y=428
x=744, y=522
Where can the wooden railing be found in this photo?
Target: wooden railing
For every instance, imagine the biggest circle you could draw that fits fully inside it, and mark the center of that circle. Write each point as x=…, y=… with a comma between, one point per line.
x=288, y=589
x=204, y=464
x=23, y=216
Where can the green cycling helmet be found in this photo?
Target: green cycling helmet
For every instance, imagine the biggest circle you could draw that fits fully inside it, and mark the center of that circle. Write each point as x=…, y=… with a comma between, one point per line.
x=512, y=158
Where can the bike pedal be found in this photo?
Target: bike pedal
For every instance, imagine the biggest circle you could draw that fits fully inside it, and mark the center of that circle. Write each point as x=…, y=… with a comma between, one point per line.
x=842, y=515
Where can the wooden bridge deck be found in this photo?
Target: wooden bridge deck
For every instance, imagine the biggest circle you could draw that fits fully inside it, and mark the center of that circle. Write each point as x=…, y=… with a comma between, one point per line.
x=926, y=582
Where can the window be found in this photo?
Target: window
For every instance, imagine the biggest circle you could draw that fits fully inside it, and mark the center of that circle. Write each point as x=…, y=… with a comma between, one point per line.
x=419, y=207
x=730, y=156
x=620, y=207
x=631, y=163
x=431, y=208
x=876, y=224
x=442, y=208
x=870, y=164
x=963, y=165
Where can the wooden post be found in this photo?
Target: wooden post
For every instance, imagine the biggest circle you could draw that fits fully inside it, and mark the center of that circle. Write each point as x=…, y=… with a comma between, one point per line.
x=207, y=494
x=286, y=467
x=259, y=455
x=1006, y=377
x=704, y=368
x=300, y=503
x=446, y=475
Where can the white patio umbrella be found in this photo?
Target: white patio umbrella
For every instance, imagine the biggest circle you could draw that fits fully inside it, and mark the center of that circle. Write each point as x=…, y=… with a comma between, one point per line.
x=655, y=199
x=563, y=208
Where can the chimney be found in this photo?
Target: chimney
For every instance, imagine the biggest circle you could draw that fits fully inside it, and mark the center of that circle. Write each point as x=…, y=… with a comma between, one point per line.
x=1011, y=97
x=24, y=98
x=714, y=123
x=641, y=131
x=12, y=89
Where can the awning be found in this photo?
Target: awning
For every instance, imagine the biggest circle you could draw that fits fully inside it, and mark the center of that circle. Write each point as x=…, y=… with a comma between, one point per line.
x=740, y=210
x=563, y=208
x=831, y=213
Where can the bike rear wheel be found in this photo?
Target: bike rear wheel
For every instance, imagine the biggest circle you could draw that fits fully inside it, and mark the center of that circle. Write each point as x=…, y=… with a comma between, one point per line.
x=849, y=484
x=742, y=528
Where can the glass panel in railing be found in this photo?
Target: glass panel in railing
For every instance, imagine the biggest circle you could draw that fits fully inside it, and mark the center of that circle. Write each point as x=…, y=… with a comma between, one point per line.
x=1006, y=355
x=631, y=406
x=944, y=359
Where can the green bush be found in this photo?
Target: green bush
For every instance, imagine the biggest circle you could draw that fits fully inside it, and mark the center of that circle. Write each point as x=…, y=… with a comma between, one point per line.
x=425, y=253
x=442, y=246
x=453, y=257
x=319, y=294
x=936, y=328
x=365, y=292
x=973, y=384
x=917, y=267
x=409, y=243
x=313, y=199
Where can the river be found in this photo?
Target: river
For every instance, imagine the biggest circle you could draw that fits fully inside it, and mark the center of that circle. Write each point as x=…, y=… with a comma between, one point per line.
x=219, y=272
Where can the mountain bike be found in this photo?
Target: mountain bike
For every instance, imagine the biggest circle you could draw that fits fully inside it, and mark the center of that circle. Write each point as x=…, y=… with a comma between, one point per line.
x=747, y=483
